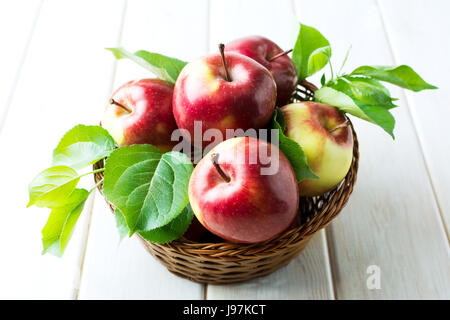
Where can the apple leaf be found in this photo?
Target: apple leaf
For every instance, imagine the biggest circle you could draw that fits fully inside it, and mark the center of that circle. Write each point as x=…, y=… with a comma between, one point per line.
x=323, y=80
x=165, y=68
x=311, y=52
x=82, y=146
x=148, y=187
x=121, y=224
x=61, y=222
x=370, y=91
x=375, y=109
x=291, y=149
x=342, y=98
x=339, y=100
x=52, y=187
x=402, y=76
x=278, y=121
x=171, y=231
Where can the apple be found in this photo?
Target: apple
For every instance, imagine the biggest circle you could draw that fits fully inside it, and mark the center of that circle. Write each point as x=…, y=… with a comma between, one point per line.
x=140, y=112
x=196, y=231
x=327, y=140
x=223, y=92
x=235, y=199
x=271, y=56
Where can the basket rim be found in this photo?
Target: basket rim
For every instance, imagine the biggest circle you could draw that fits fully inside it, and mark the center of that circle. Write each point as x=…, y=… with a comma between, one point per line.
x=288, y=238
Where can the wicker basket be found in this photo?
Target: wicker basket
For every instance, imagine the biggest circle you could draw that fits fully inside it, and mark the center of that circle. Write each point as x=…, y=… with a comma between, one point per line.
x=225, y=262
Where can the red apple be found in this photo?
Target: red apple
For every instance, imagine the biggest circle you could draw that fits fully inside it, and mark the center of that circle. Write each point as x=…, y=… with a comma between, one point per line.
x=271, y=56
x=140, y=112
x=234, y=198
x=327, y=140
x=196, y=231
x=233, y=92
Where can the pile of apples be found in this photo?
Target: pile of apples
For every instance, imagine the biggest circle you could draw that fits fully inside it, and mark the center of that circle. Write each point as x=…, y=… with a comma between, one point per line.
x=238, y=87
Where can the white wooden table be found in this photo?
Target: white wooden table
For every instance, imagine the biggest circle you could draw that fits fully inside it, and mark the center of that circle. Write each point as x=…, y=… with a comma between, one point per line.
x=55, y=73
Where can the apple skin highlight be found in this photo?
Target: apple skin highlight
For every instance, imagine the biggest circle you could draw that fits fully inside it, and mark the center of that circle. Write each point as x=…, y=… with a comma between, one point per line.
x=329, y=152
x=251, y=207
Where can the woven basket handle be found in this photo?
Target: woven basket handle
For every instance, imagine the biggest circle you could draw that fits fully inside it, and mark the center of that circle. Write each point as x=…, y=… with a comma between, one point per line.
x=309, y=86
x=304, y=92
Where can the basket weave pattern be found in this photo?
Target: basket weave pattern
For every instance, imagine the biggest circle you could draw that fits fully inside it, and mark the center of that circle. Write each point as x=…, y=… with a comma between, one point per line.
x=225, y=262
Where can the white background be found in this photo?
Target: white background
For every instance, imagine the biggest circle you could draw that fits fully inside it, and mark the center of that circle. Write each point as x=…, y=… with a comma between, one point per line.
x=55, y=73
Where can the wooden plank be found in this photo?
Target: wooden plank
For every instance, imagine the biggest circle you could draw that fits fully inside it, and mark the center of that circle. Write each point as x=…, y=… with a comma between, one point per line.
x=410, y=23
x=64, y=80
x=128, y=271
x=391, y=221
x=125, y=270
x=307, y=276
x=19, y=16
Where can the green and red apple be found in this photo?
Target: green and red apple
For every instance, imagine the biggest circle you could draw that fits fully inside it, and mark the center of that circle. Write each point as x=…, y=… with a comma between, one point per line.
x=223, y=92
x=140, y=112
x=325, y=136
x=271, y=56
x=234, y=198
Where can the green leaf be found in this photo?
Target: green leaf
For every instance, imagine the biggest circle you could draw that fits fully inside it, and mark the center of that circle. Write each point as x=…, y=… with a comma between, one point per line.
x=173, y=230
x=292, y=150
x=345, y=59
x=165, y=68
x=370, y=92
x=339, y=100
x=52, y=187
x=148, y=187
x=311, y=52
x=323, y=80
x=376, y=113
x=82, y=146
x=346, y=102
x=278, y=121
x=61, y=222
x=121, y=224
x=402, y=76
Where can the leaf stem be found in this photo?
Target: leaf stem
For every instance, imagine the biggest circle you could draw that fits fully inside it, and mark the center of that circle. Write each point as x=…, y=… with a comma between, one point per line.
x=345, y=60
x=96, y=185
x=92, y=172
x=331, y=66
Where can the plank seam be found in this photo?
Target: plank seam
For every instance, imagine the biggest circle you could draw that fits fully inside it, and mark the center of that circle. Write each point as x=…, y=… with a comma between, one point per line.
x=90, y=211
x=330, y=262
x=327, y=248
x=440, y=215
x=5, y=112
x=208, y=48
x=208, y=26
x=84, y=247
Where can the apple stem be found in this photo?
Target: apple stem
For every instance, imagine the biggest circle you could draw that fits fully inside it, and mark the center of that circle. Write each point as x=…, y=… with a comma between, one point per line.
x=112, y=101
x=342, y=125
x=214, y=158
x=222, y=53
x=280, y=55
